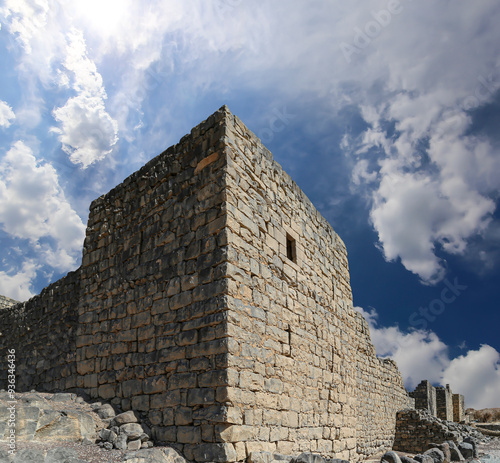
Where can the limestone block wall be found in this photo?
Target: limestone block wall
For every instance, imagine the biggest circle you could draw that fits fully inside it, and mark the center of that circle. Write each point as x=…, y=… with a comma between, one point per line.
x=381, y=393
x=425, y=397
x=143, y=320
x=444, y=403
x=304, y=375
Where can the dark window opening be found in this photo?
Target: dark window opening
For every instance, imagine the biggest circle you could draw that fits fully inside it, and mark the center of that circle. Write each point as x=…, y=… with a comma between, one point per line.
x=288, y=350
x=291, y=251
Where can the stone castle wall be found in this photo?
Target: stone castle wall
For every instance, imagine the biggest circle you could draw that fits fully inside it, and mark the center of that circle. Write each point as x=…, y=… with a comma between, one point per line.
x=147, y=304
x=214, y=298
x=153, y=322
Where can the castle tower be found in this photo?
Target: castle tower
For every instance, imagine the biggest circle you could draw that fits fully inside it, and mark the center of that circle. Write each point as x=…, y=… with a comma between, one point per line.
x=215, y=299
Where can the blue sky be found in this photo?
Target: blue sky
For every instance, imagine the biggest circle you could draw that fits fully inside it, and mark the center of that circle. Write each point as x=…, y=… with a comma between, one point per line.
x=386, y=113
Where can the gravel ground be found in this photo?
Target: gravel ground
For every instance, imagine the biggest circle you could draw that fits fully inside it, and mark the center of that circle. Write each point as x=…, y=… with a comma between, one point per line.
x=490, y=452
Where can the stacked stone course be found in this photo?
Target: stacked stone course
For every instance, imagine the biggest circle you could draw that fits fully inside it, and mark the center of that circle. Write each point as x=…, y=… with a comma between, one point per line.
x=214, y=298
x=43, y=333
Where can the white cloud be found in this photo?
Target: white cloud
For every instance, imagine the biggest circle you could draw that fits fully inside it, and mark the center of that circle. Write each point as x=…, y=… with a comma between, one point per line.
x=25, y=19
x=418, y=206
x=420, y=354
x=6, y=114
x=416, y=82
x=87, y=132
x=477, y=376
x=18, y=284
x=33, y=207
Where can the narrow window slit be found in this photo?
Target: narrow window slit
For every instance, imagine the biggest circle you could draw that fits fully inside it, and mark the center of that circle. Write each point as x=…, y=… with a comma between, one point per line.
x=291, y=250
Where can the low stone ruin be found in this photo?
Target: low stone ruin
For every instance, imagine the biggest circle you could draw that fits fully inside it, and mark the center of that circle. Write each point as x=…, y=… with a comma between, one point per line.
x=417, y=429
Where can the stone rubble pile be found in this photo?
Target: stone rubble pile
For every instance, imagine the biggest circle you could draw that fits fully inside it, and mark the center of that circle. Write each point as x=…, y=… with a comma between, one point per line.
x=306, y=457
x=445, y=452
x=122, y=431
x=417, y=429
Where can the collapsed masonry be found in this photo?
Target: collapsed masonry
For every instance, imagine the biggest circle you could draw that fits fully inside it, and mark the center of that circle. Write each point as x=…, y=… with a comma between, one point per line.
x=214, y=298
x=439, y=401
x=417, y=430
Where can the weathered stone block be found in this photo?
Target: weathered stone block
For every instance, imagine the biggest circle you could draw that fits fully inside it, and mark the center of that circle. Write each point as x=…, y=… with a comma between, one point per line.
x=219, y=453
x=189, y=434
x=165, y=400
x=201, y=396
x=154, y=384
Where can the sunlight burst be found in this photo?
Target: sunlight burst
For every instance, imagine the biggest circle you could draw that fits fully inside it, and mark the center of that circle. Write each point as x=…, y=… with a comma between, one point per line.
x=104, y=16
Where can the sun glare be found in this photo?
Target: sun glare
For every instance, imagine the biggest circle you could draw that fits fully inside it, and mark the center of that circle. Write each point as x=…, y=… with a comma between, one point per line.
x=104, y=16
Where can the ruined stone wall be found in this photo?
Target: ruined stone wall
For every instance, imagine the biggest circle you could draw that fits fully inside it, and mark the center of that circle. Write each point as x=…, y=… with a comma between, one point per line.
x=444, y=403
x=425, y=397
x=416, y=429
x=304, y=375
x=43, y=332
x=458, y=408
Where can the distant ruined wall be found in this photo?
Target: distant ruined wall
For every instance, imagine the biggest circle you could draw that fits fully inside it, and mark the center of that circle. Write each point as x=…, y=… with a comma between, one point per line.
x=425, y=397
x=444, y=403
x=214, y=298
x=458, y=408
